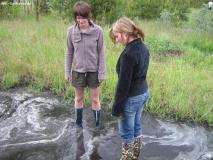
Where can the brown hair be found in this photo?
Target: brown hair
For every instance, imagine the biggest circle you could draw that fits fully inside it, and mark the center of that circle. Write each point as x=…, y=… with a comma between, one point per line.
x=82, y=9
x=126, y=25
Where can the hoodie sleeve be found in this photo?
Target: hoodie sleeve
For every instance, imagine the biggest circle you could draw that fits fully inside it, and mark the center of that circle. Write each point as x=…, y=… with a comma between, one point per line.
x=69, y=54
x=101, y=58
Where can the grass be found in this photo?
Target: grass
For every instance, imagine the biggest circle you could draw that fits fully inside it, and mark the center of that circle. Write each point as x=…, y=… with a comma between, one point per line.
x=180, y=75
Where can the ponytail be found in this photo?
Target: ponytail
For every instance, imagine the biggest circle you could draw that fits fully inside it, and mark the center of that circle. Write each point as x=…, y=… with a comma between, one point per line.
x=137, y=32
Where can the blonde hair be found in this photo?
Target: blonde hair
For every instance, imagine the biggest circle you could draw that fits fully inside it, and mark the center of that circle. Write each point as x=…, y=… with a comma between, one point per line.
x=126, y=25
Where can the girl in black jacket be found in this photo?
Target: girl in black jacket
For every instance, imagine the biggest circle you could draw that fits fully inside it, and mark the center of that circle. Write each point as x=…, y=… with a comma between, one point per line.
x=132, y=89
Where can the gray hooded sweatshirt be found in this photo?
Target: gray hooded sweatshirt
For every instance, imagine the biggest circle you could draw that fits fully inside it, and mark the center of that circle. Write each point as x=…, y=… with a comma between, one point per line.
x=85, y=51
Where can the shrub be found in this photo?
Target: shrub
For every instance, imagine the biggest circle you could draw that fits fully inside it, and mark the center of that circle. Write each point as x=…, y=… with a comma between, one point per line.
x=202, y=19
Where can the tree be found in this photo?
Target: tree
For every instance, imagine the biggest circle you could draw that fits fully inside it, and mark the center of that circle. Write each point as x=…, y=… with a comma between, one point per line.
x=37, y=8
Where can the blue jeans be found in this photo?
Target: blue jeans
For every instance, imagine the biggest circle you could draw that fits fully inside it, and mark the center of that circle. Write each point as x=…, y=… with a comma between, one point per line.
x=130, y=124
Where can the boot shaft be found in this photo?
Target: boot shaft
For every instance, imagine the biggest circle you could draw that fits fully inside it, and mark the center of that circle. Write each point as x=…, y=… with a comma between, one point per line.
x=79, y=116
x=127, y=152
x=137, y=148
x=97, y=115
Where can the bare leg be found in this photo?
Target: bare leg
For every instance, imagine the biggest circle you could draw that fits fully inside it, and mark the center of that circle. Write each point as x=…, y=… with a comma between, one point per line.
x=94, y=96
x=79, y=96
x=96, y=107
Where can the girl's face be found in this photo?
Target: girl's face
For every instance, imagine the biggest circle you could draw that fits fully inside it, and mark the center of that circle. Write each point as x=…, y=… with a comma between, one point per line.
x=82, y=22
x=120, y=38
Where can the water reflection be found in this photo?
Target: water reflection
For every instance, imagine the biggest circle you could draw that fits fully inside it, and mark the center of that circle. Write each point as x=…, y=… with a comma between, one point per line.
x=37, y=127
x=80, y=149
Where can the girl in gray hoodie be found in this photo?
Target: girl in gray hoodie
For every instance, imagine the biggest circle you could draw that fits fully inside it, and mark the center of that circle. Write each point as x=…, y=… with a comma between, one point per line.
x=85, y=60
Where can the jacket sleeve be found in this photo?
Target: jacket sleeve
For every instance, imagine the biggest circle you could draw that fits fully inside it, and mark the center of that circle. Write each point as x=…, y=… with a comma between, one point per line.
x=69, y=54
x=124, y=83
x=101, y=58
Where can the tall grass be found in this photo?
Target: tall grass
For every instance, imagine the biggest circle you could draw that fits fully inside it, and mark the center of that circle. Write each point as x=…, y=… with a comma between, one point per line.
x=180, y=75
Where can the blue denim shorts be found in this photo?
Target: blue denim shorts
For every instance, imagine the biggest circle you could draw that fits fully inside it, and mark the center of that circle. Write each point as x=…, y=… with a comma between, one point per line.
x=130, y=124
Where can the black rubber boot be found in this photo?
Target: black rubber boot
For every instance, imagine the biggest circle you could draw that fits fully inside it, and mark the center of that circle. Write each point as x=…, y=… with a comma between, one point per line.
x=79, y=116
x=97, y=117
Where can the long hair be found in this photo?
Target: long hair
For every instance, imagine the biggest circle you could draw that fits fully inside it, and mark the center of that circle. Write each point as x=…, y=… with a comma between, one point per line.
x=126, y=25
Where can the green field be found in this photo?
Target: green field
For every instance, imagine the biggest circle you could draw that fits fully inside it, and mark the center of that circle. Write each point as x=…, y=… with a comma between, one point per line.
x=180, y=75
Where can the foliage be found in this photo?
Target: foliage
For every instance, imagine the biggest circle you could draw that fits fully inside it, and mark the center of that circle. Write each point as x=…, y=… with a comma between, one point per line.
x=45, y=6
x=9, y=11
x=67, y=9
x=197, y=3
x=180, y=8
x=102, y=9
x=166, y=16
x=202, y=19
x=108, y=11
x=58, y=5
x=160, y=45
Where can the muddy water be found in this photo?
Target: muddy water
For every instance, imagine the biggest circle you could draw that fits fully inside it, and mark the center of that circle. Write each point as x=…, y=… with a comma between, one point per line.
x=40, y=127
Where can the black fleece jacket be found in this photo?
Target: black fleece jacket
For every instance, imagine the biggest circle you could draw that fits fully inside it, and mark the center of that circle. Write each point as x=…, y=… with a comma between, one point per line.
x=132, y=69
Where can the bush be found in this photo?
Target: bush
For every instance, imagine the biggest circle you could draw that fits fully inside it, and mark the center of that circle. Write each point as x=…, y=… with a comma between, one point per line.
x=9, y=11
x=202, y=19
x=108, y=11
x=166, y=16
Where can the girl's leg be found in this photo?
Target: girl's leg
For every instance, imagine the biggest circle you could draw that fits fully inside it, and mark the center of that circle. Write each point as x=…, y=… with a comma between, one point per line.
x=140, y=102
x=126, y=131
x=138, y=130
x=94, y=96
x=96, y=107
x=79, y=96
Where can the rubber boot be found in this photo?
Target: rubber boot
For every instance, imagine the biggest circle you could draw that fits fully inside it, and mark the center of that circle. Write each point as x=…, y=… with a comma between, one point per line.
x=97, y=117
x=127, y=152
x=137, y=148
x=79, y=116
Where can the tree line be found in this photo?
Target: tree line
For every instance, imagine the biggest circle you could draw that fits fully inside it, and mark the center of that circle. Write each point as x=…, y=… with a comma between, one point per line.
x=108, y=10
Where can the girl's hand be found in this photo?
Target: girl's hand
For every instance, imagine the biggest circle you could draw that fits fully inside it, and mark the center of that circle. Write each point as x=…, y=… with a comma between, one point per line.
x=68, y=78
x=100, y=80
